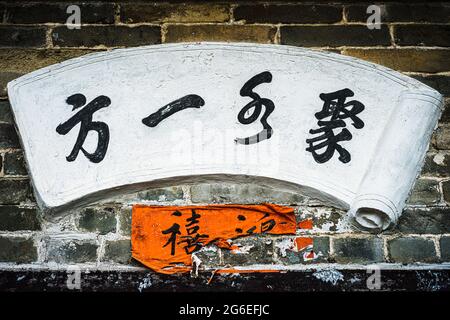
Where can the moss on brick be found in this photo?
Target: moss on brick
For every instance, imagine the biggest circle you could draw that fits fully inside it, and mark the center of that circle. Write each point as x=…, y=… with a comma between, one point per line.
x=101, y=220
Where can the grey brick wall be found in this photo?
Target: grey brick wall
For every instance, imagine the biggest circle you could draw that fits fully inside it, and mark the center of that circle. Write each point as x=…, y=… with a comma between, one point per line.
x=414, y=39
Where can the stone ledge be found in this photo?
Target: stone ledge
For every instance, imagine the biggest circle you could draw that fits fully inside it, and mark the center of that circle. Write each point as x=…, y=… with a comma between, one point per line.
x=309, y=280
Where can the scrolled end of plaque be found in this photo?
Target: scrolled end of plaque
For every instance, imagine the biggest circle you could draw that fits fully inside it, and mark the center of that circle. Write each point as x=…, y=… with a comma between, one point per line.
x=372, y=214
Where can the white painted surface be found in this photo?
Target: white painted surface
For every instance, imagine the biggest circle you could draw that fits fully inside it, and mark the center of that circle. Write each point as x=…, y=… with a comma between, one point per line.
x=196, y=145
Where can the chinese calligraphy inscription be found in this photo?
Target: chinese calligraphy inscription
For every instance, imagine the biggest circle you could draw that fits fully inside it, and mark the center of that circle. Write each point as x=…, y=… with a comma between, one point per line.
x=337, y=110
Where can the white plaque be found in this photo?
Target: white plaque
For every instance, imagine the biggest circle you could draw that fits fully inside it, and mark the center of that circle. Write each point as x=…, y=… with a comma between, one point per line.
x=329, y=126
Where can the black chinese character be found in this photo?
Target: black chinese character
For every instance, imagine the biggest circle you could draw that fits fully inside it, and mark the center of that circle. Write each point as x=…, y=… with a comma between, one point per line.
x=337, y=110
x=174, y=230
x=189, y=101
x=193, y=238
x=85, y=117
x=257, y=103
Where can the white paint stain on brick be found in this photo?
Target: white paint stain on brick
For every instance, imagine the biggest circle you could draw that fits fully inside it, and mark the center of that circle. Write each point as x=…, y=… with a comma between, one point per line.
x=284, y=245
x=330, y=276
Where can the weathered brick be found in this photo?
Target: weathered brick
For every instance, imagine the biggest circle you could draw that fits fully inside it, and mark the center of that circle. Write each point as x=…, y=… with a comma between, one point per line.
x=14, y=191
x=241, y=193
x=17, y=249
x=63, y=250
x=300, y=13
x=13, y=218
x=15, y=163
x=34, y=13
x=209, y=257
x=445, y=248
x=5, y=112
x=424, y=221
x=235, y=33
x=287, y=253
x=13, y=36
x=253, y=250
x=429, y=12
x=411, y=249
x=446, y=190
x=161, y=194
x=334, y=36
x=179, y=13
x=118, y=251
x=445, y=117
x=412, y=60
x=323, y=219
x=124, y=217
x=422, y=35
x=109, y=36
x=20, y=61
x=425, y=192
x=8, y=136
x=437, y=164
x=442, y=138
x=101, y=220
x=358, y=250
x=439, y=82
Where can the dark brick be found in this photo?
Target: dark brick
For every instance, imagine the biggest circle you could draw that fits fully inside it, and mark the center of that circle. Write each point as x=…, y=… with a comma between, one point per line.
x=5, y=112
x=1, y=162
x=424, y=221
x=118, y=251
x=6, y=77
x=8, y=136
x=254, y=250
x=125, y=221
x=109, y=36
x=334, y=36
x=164, y=12
x=442, y=138
x=101, y=220
x=402, y=13
x=446, y=190
x=422, y=35
x=225, y=32
x=445, y=248
x=288, y=13
x=413, y=60
x=161, y=194
x=71, y=250
x=13, y=218
x=56, y=13
x=437, y=164
x=439, y=82
x=14, y=191
x=358, y=250
x=425, y=192
x=19, y=250
x=241, y=193
x=287, y=254
x=445, y=117
x=410, y=250
x=13, y=36
x=15, y=163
